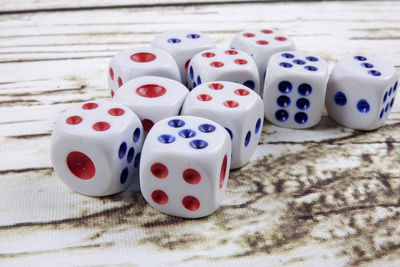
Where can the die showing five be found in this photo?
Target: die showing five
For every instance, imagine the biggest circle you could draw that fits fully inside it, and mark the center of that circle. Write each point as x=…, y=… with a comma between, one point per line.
x=235, y=107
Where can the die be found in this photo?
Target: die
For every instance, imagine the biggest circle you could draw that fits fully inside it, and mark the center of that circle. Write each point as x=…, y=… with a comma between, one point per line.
x=140, y=61
x=96, y=147
x=183, y=45
x=261, y=44
x=235, y=107
x=361, y=92
x=185, y=166
x=224, y=65
x=152, y=98
x=294, y=89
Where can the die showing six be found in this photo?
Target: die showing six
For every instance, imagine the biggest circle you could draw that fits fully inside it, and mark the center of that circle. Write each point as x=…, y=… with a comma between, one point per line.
x=294, y=89
x=96, y=146
x=261, y=44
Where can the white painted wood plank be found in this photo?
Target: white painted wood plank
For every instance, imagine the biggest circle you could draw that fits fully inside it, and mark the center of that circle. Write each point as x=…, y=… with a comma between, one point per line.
x=18, y=5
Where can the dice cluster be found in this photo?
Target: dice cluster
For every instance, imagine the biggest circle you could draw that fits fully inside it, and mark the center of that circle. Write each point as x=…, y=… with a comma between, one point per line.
x=184, y=112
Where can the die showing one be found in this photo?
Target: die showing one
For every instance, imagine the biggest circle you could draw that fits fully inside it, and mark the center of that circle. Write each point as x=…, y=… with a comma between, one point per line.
x=183, y=45
x=224, y=65
x=261, y=44
x=140, y=61
x=152, y=98
x=294, y=89
x=235, y=107
x=185, y=166
x=96, y=147
x=361, y=92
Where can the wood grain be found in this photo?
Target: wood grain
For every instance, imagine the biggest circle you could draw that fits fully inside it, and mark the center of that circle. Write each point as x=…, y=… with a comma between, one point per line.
x=324, y=195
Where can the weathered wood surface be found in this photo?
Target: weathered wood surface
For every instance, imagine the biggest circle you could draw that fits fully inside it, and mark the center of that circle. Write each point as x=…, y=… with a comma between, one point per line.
x=325, y=196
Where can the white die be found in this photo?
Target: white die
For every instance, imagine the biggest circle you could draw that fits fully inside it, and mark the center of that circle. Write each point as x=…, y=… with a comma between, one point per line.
x=185, y=166
x=361, y=92
x=140, y=61
x=224, y=65
x=235, y=107
x=261, y=44
x=96, y=147
x=294, y=89
x=183, y=45
x=152, y=98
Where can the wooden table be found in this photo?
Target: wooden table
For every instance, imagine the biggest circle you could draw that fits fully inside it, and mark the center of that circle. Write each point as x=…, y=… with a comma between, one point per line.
x=325, y=196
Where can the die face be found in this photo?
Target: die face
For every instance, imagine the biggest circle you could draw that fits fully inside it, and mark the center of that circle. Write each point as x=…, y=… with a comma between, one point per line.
x=373, y=69
x=361, y=92
x=183, y=45
x=185, y=166
x=261, y=44
x=96, y=147
x=294, y=89
x=224, y=65
x=152, y=98
x=141, y=61
x=235, y=107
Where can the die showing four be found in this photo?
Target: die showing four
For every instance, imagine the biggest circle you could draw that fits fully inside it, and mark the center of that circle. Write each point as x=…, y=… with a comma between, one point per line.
x=235, y=107
x=140, y=61
x=96, y=147
x=183, y=45
x=224, y=65
x=152, y=98
x=185, y=166
x=294, y=89
x=361, y=92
